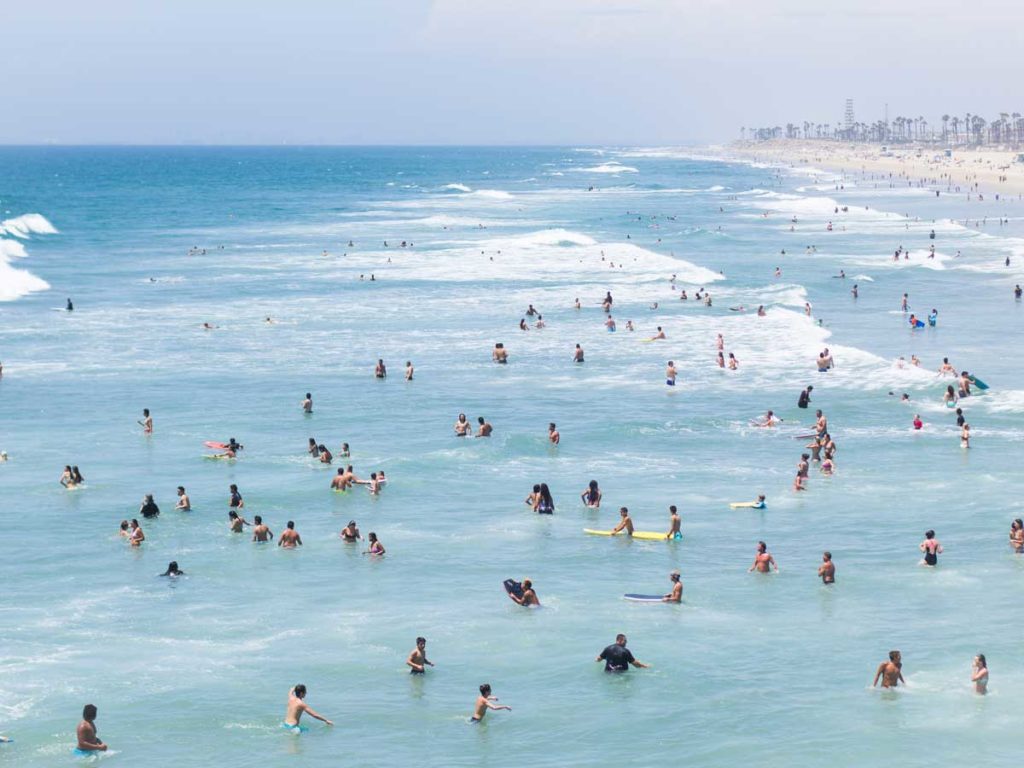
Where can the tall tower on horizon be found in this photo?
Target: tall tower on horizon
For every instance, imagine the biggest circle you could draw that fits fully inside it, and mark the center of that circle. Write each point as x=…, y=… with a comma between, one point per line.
x=848, y=119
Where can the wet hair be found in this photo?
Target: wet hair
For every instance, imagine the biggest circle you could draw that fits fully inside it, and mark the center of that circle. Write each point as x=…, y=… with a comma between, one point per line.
x=145, y=411
x=309, y=396
x=485, y=689
x=619, y=636
x=536, y=488
x=623, y=509
x=258, y=520
x=372, y=536
x=545, y=495
x=421, y=640
x=89, y=712
x=893, y=655
x=479, y=419
x=551, y=425
x=291, y=525
x=929, y=534
x=233, y=487
x=827, y=556
x=672, y=509
x=181, y=488
x=527, y=584
x=761, y=546
x=312, y=441
x=981, y=658
x=300, y=690
x=232, y=514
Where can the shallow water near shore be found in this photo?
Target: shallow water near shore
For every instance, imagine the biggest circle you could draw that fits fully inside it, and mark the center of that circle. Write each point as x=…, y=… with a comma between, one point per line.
x=196, y=670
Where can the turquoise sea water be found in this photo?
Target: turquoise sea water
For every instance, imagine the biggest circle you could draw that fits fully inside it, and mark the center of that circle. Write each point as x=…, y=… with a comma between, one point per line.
x=774, y=668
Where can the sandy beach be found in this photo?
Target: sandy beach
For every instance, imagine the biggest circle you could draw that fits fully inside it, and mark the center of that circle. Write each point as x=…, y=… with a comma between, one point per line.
x=985, y=170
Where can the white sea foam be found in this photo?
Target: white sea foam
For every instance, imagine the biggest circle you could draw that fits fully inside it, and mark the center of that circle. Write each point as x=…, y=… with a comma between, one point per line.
x=610, y=167
x=14, y=282
x=457, y=187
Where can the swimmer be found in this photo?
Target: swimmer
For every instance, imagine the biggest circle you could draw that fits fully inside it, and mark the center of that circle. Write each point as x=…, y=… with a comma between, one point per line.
x=462, y=426
x=761, y=311
x=409, y=370
x=805, y=397
x=350, y=533
x=485, y=429
x=183, y=503
x=979, y=674
x=148, y=508
x=610, y=324
x=542, y=502
x=173, y=570
x=236, y=523
x=529, y=597
x=918, y=424
x=676, y=595
x=629, y=325
x=721, y=360
x=325, y=455
x=375, y=547
x=719, y=342
x=297, y=707
x=522, y=325
x=674, y=524
x=313, y=449
x=965, y=435
x=891, y=671
x=763, y=560
x=307, y=403
x=931, y=548
x=769, y=420
x=290, y=538
x=733, y=362
x=670, y=374
x=485, y=702
x=540, y=322
x=418, y=661
x=576, y=304
x=146, y=422
x=577, y=356
x=499, y=354
x=344, y=453
x=135, y=535
x=340, y=481
x=88, y=741
x=380, y=371
x=625, y=523
x=66, y=478
x=617, y=657
x=591, y=495
x=946, y=369
x=802, y=469
x=531, y=312
x=659, y=335
x=949, y=398
x=261, y=533
x=553, y=435
x=853, y=291
x=827, y=570
x=1017, y=536
x=70, y=307
x=235, y=501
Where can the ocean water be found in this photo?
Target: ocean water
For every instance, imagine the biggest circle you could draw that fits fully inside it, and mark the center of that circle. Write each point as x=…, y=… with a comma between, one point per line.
x=152, y=243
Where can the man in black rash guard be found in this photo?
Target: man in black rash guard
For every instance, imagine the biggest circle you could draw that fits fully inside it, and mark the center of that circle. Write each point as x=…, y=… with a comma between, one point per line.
x=805, y=398
x=618, y=657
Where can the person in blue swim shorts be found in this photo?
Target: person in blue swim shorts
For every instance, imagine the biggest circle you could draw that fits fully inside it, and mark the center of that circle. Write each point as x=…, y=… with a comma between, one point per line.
x=296, y=707
x=670, y=374
x=674, y=523
x=88, y=742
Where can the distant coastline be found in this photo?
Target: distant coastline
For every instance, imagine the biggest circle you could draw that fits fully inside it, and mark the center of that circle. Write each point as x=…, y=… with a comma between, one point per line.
x=981, y=170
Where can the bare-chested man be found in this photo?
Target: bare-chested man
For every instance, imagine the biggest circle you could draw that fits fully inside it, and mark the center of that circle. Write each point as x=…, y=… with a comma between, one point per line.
x=261, y=532
x=674, y=531
x=418, y=661
x=890, y=672
x=290, y=538
x=462, y=426
x=88, y=741
x=340, y=481
x=625, y=524
x=676, y=595
x=485, y=702
x=827, y=569
x=297, y=706
x=763, y=560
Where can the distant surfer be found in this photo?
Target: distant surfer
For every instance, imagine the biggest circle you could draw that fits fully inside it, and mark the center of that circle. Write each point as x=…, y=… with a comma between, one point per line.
x=891, y=671
x=484, y=702
x=617, y=657
x=528, y=597
x=676, y=595
x=625, y=524
x=418, y=661
x=297, y=706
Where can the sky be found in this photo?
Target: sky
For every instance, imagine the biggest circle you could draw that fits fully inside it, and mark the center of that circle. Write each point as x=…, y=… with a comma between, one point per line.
x=610, y=72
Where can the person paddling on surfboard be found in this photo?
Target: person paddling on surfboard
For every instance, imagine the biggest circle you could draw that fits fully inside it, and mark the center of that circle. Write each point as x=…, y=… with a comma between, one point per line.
x=625, y=524
x=676, y=595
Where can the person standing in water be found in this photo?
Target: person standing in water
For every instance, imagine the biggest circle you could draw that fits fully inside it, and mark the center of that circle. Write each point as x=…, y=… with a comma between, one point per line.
x=307, y=403
x=380, y=371
x=670, y=374
x=617, y=657
x=553, y=435
x=979, y=674
x=409, y=370
x=184, y=503
x=763, y=560
x=88, y=741
x=591, y=496
x=260, y=532
x=890, y=672
x=676, y=595
x=484, y=702
x=297, y=707
x=577, y=356
x=146, y=422
x=674, y=531
x=827, y=570
x=290, y=538
x=418, y=661
x=805, y=397
x=931, y=548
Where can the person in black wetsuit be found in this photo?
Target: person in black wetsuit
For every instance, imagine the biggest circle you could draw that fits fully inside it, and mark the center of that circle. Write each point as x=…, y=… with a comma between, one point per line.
x=805, y=397
x=618, y=657
x=149, y=507
x=931, y=548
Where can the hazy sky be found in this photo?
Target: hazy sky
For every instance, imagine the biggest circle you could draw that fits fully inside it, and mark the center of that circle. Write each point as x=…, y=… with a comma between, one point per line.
x=491, y=71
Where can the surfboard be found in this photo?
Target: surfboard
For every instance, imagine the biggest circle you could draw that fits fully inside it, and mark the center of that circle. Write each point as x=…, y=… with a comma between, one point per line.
x=212, y=456
x=215, y=444
x=513, y=587
x=747, y=505
x=643, y=598
x=978, y=383
x=644, y=535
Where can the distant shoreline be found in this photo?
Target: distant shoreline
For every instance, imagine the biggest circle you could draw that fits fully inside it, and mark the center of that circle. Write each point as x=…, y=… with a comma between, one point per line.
x=992, y=171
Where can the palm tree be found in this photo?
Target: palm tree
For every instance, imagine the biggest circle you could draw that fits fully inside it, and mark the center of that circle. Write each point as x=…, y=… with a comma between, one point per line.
x=945, y=129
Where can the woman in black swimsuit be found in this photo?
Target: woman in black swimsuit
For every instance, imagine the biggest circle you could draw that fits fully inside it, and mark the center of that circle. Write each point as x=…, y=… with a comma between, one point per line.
x=931, y=548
